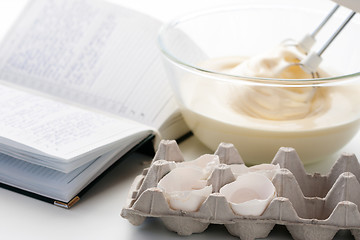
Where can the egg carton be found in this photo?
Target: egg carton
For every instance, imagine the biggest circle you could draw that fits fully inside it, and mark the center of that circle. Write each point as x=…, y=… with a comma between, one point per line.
x=311, y=206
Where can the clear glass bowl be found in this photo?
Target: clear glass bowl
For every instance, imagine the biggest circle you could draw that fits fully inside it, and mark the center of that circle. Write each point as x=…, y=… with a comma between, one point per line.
x=216, y=105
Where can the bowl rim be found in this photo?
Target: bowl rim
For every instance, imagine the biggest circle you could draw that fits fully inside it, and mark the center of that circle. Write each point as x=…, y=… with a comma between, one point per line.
x=235, y=78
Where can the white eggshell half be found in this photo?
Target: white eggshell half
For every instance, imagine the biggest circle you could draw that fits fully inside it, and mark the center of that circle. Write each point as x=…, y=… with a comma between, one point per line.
x=250, y=194
x=206, y=163
x=239, y=169
x=269, y=170
x=189, y=201
x=184, y=188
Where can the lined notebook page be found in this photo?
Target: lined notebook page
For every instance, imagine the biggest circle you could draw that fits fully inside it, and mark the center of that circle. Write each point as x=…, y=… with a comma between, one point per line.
x=91, y=52
x=54, y=132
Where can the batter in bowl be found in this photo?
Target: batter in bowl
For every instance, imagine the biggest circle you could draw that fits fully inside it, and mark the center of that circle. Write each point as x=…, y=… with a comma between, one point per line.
x=258, y=118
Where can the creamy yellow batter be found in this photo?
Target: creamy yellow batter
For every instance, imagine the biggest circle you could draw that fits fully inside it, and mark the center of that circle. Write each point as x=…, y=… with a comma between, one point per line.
x=258, y=119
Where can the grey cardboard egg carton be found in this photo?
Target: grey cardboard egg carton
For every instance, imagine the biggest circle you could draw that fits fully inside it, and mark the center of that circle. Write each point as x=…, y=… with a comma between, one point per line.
x=310, y=206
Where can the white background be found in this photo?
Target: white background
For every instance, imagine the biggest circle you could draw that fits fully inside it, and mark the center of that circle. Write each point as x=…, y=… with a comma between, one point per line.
x=97, y=215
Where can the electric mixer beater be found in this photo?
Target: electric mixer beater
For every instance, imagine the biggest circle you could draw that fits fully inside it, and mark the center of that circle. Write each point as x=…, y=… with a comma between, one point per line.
x=313, y=58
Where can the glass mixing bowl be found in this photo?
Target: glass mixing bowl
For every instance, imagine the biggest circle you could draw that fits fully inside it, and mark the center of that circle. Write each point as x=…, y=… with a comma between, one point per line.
x=224, y=107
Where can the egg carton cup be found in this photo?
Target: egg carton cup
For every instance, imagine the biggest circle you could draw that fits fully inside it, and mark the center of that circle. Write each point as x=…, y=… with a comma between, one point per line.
x=311, y=206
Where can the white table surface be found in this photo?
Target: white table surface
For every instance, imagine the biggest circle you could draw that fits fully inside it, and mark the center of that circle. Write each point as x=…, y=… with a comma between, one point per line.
x=97, y=215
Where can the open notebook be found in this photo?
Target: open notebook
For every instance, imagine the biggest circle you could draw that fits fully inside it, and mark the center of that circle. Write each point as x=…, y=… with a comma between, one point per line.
x=82, y=84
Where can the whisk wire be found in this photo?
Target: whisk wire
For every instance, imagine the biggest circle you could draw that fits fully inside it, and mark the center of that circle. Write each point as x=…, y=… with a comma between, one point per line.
x=341, y=27
x=326, y=19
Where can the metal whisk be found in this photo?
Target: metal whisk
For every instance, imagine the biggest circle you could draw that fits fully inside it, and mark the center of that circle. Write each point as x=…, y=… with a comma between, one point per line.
x=313, y=59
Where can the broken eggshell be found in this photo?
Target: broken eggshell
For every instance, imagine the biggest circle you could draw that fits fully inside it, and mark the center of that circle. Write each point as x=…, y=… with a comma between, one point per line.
x=239, y=169
x=249, y=194
x=268, y=170
x=184, y=188
x=206, y=163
